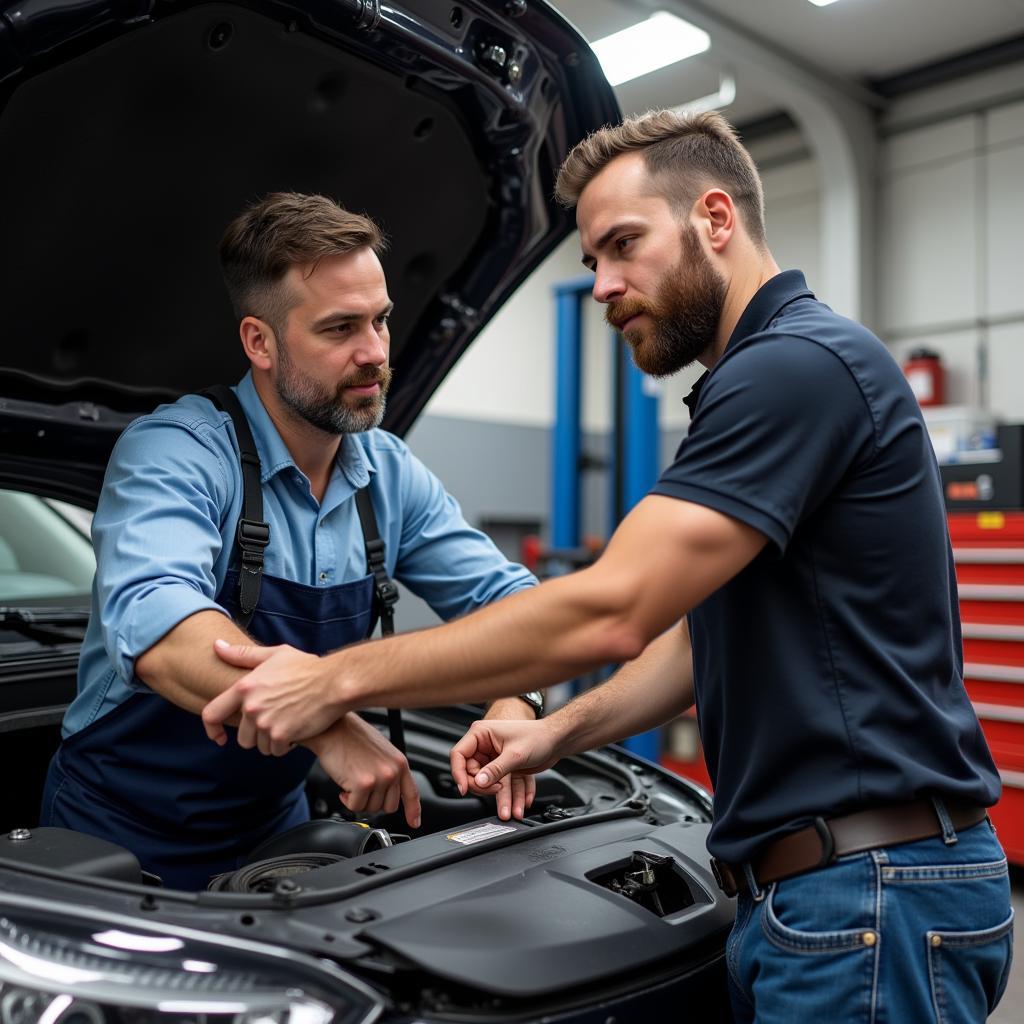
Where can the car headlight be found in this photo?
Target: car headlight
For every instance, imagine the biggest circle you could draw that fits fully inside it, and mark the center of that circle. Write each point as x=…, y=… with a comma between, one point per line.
x=58, y=966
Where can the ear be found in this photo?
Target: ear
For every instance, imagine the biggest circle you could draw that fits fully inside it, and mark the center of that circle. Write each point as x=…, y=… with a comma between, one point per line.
x=258, y=341
x=718, y=212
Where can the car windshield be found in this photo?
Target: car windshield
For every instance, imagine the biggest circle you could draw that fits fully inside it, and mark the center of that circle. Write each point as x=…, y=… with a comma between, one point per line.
x=46, y=559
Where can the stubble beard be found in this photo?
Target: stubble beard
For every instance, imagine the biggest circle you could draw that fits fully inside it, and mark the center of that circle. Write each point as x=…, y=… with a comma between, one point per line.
x=684, y=313
x=333, y=413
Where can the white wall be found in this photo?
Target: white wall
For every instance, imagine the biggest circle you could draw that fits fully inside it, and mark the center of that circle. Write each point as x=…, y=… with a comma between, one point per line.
x=953, y=251
x=950, y=264
x=951, y=233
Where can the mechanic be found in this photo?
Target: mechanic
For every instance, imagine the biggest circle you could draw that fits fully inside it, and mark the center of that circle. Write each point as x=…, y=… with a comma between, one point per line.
x=135, y=767
x=800, y=539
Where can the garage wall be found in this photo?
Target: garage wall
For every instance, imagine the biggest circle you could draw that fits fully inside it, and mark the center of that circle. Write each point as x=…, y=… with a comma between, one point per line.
x=953, y=251
x=950, y=233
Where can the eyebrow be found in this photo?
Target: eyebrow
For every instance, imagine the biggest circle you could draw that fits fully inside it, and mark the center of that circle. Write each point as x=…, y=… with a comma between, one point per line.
x=588, y=260
x=342, y=317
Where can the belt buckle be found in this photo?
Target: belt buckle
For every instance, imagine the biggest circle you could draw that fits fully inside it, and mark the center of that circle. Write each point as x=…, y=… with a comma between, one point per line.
x=724, y=877
x=827, y=840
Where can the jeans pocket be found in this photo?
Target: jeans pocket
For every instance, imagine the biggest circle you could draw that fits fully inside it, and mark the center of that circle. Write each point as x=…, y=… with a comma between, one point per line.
x=799, y=941
x=968, y=971
x=814, y=926
x=818, y=959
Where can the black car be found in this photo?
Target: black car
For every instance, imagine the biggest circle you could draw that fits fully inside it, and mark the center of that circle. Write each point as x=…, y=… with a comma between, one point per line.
x=132, y=131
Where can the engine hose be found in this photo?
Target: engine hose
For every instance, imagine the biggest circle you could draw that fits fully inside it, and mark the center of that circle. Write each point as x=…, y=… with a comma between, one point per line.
x=263, y=876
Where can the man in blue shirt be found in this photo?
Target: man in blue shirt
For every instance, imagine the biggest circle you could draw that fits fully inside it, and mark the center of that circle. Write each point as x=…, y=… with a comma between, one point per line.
x=135, y=766
x=790, y=573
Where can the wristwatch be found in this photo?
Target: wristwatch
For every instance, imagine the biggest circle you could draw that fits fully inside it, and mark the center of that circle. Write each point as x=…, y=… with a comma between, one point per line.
x=535, y=698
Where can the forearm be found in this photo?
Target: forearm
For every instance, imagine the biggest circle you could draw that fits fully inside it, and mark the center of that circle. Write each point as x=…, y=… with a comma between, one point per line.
x=183, y=666
x=329, y=738
x=643, y=694
x=527, y=641
x=649, y=690
x=666, y=558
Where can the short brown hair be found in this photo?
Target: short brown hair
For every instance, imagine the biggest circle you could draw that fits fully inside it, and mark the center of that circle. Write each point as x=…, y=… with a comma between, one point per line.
x=281, y=230
x=684, y=153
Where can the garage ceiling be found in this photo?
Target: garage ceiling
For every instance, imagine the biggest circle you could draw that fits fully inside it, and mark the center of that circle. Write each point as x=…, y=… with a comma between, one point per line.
x=857, y=40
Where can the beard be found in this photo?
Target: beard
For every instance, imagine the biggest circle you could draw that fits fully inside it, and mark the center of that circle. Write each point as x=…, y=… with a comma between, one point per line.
x=332, y=412
x=684, y=313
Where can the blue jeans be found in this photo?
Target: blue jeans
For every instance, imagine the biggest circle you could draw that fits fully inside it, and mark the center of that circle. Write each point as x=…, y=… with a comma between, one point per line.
x=903, y=934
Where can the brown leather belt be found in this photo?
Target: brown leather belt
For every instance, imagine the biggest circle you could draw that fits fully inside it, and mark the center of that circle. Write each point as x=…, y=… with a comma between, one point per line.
x=821, y=843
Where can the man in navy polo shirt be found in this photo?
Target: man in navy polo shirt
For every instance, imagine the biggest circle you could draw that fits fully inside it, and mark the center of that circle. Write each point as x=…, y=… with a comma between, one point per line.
x=790, y=573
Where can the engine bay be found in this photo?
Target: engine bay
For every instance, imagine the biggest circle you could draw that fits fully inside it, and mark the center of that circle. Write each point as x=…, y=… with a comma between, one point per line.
x=456, y=916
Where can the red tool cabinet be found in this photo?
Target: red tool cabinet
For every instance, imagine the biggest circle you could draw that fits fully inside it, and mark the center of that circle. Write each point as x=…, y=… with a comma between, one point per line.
x=988, y=548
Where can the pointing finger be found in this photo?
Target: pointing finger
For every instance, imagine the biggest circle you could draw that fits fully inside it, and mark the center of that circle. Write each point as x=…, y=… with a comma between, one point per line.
x=410, y=799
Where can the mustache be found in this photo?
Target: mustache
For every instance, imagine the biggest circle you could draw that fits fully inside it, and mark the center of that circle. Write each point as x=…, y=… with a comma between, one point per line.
x=369, y=375
x=617, y=313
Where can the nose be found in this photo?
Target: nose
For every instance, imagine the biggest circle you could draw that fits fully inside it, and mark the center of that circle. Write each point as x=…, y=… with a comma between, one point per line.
x=373, y=347
x=608, y=285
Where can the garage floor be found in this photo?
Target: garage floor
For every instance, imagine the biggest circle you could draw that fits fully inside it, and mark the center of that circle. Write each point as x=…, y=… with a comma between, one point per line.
x=1011, y=1009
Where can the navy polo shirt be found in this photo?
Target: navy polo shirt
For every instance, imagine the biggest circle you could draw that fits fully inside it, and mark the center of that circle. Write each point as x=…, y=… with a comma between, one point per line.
x=828, y=672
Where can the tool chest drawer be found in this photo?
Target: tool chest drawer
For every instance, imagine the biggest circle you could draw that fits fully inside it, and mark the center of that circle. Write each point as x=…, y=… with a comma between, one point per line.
x=988, y=550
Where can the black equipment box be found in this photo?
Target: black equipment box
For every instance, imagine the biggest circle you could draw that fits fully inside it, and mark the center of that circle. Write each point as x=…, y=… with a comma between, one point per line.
x=980, y=485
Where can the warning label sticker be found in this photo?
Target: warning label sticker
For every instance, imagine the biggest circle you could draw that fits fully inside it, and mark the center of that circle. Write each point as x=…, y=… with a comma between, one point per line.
x=480, y=833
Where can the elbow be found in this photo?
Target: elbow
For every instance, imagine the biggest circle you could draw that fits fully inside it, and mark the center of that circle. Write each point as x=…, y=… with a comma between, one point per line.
x=624, y=642
x=619, y=630
x=148, y=666
x=153, y=665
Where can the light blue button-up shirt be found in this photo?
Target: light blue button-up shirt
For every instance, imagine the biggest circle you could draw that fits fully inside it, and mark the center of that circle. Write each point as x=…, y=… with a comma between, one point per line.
x=164, y=533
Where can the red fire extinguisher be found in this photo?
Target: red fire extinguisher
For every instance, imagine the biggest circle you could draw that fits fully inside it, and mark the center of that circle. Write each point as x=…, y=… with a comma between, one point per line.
x=927, y=376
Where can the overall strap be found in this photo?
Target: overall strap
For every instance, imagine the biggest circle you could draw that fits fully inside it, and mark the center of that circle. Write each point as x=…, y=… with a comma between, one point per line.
x=253, y=533
x=385, y=593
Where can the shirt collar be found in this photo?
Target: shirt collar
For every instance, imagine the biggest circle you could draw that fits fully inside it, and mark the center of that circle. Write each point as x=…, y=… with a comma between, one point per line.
x=768, y=301
x=274, y=455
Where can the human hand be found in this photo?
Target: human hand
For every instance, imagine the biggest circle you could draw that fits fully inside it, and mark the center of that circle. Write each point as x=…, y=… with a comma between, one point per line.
x=490, y=750
x=284, y=699
x=514, y=793
x=372, y=774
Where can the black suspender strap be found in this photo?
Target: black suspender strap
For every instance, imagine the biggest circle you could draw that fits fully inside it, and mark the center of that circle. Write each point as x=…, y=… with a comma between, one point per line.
x=385, y=593
x=252, y=534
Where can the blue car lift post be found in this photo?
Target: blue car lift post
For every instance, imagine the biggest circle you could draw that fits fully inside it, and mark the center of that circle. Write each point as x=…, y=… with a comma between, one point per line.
x=636, y=438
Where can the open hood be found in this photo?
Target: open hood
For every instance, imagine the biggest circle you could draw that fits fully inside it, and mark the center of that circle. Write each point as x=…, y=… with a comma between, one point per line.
x=132, y=131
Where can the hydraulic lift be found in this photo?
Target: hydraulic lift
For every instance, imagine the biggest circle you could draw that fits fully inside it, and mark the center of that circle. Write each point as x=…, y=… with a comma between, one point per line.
x=634, y=462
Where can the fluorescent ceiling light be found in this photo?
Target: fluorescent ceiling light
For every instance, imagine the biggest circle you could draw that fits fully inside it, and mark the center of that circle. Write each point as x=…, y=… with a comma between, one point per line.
x=655, y=43
x=822, y=3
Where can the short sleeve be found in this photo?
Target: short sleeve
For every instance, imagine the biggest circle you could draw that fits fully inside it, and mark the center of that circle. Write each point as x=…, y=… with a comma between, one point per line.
x=777, y=425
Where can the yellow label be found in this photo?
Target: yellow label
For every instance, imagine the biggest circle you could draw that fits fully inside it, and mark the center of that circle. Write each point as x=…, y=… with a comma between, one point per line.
x=991, y=520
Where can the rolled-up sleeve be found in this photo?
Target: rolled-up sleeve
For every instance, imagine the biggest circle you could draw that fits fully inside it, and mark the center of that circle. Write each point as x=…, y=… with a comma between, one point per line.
x=452, y=566
x=157, y=535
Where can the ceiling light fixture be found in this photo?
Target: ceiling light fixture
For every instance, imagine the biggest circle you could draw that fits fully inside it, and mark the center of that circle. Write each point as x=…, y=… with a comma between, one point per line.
x=822, y=3
x=713, y=101
x=661, y=40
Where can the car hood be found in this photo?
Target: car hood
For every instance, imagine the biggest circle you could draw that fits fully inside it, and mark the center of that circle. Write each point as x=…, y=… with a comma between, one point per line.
x=134, y=130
